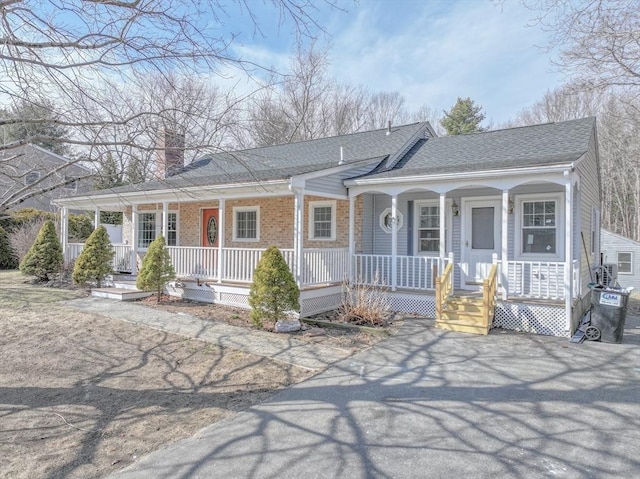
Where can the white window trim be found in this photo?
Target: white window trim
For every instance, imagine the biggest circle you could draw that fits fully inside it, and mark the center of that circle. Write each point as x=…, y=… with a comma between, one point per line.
x=322, y=204
x=416, y=225
x=560, y=225
x=630, y=253
x=158, y=214
x=240, y=209
x=384, y=214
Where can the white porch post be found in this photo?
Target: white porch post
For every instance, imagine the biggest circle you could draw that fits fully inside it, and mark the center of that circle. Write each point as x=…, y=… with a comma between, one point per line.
x=504, y=266
x=64, y=232
x=96, y=218
x=165, y=220
x=394, y=242
x=568, y=249
x=221, y=226
x=134, y=239
x=352, y=246
x=298, y=229
x=443, y=216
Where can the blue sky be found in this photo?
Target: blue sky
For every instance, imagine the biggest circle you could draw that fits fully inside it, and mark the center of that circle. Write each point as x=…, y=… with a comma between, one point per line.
x=431, y=51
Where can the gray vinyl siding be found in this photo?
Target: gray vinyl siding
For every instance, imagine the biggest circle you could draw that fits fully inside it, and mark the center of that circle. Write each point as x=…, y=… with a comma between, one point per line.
x=332, y=184
x=589, y=198
x=382, y=239
x=612, y=244
x=367, y=224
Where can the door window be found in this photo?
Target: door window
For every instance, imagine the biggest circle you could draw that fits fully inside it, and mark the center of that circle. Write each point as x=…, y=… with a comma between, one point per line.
x=482, y=224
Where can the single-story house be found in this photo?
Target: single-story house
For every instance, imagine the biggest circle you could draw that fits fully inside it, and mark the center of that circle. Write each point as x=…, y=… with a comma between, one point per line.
x=430, y=218
x=621, y=258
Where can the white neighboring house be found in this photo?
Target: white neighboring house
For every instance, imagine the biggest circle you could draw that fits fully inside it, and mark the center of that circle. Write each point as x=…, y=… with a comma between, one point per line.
x=624, y=255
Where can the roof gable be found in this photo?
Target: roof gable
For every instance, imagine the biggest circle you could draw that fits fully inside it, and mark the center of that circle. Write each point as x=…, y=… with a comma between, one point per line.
x=529, y=146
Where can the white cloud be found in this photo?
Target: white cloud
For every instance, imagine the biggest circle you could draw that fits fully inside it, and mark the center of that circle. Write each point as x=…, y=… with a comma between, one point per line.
x=433, y=52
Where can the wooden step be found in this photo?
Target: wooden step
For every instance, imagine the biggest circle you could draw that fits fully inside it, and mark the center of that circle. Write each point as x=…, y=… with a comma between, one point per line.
x=462, y=327
x=469, y=317
x=120, y=294
x=465, y=306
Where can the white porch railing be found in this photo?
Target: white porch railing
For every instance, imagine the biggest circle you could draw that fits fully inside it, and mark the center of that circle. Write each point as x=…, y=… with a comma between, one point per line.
x=536, y=279
x=194, y=262
x=73, y=251
x=525, y=279
x=321, y=266
x=121, y=258
x=240, y=263
x=413, y=272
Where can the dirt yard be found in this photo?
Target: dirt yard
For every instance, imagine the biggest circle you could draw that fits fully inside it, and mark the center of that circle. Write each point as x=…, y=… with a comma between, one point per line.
x=82, y=395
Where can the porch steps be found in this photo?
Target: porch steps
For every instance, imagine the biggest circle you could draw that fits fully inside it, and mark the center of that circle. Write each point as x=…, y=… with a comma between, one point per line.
x=465, y=314
x=122, y=281
x=120, y=294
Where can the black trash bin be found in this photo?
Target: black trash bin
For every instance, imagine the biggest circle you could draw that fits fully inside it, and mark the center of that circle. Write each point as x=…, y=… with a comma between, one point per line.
x=608, y=312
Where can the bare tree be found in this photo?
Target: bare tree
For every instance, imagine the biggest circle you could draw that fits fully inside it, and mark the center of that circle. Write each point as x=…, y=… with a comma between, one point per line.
x=72, y=52
x=619, y=144
x=561, y=104
x=310, y=104
x=598, y=40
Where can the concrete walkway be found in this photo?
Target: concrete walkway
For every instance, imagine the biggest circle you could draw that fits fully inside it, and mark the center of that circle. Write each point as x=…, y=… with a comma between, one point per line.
x=283, y=347
x=427, y=403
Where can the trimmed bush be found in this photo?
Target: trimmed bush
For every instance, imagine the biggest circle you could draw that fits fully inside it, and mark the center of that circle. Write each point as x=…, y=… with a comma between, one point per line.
x=8, y=258
x=274, y=290
x=94, y=262
x=156, y=269
x=44, y=258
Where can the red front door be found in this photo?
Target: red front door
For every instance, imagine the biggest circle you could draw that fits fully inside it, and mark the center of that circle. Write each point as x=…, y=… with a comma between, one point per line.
x=210, y=231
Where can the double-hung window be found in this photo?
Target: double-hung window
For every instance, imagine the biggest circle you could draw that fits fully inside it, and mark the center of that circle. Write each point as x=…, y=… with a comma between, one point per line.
x=246, y=223
x=539, y=223
x=428, y=228
x=625, y=265
x=322, y=220
x=150, y=227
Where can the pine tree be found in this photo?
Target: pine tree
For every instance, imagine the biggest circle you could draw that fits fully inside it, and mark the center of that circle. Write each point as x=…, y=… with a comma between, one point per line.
x=274, y=290
x=464, y=117
x=156, y=269
x=44, y=258
x=8, y=258
x=94, y=263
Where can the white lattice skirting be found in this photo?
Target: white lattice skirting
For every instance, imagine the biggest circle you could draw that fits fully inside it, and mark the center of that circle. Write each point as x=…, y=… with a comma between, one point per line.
x=419, y=304
x=544, y=319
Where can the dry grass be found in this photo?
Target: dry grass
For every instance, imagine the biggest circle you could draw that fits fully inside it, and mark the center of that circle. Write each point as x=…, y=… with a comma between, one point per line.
x=365, y=305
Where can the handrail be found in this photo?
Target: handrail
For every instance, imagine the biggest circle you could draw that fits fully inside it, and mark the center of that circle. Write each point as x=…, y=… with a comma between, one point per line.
x=489, y=289
x=444, y=288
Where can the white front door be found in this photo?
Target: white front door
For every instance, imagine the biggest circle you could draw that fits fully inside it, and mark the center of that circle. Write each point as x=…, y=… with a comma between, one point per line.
x=480, y=240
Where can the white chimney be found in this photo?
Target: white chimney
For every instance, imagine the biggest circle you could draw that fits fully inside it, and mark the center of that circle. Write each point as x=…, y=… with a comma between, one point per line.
x=341, y=162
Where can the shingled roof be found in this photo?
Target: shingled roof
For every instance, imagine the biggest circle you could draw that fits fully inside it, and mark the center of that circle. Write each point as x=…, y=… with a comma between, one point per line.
x=528, y=146
x=284, y=161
